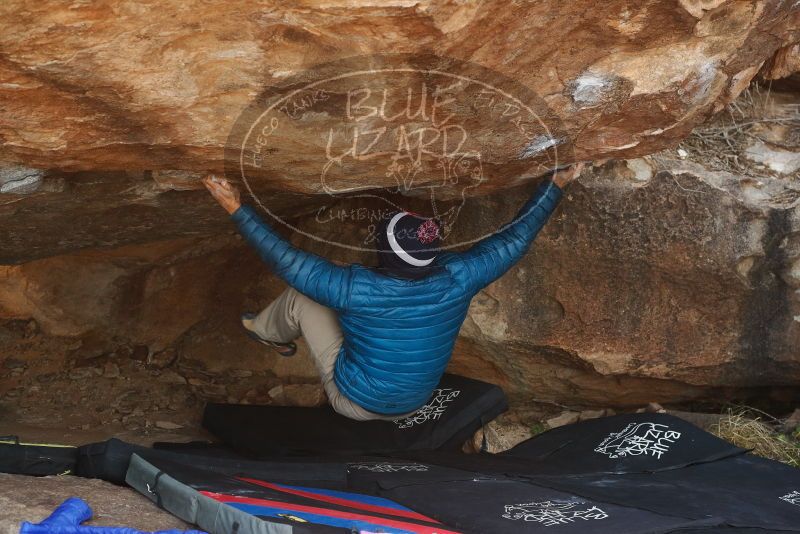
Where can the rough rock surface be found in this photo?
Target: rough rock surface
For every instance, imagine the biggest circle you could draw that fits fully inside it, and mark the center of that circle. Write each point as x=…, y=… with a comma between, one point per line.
x=133, y=85
x=499, y=435
x=785, y=62
x=121, y=282
x=685, y=276
x=33, y=499
x=657, y=280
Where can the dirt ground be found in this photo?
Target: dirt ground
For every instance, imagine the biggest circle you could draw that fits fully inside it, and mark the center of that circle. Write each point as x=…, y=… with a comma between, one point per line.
x=33, y=499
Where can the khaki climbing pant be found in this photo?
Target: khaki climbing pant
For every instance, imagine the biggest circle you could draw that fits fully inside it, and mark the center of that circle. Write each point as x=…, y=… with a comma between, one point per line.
x=292, y=315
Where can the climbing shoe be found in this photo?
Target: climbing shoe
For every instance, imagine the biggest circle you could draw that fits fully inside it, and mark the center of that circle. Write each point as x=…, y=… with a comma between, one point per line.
x=284, y=349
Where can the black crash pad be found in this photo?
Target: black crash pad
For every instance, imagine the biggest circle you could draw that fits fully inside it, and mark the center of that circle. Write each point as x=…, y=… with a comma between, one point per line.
x=652, y=462
x=418, y=496
x=475, y=503
x=19, y=458
x=743, y=491
x=631, y=443
x=458, y=408
x=707, y=486
x=109, y=460
x=252, y=504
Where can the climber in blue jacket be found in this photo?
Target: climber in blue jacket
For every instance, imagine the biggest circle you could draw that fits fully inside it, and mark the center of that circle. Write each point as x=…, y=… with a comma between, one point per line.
x=382, y=337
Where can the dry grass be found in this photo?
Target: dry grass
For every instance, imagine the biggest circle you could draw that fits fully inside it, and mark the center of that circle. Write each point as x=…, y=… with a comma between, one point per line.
x=721, y=143
x=752, y=429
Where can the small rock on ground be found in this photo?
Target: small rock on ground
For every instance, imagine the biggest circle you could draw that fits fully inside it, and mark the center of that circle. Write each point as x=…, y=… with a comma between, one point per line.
x=168, y=425
x=499, y=435
x=792, y=422
x=565, y=418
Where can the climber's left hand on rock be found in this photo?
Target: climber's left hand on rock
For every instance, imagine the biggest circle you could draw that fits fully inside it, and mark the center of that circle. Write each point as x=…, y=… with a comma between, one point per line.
x=223, y=192
x=565, y=176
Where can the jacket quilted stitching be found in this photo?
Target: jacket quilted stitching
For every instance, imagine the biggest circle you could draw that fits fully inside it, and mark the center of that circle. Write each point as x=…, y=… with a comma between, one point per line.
x=398, y=334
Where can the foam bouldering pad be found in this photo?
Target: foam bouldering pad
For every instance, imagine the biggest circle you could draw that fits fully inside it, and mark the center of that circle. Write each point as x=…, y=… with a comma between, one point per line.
x=109, y=460
x=631, y=443
x=744, y=491
x=221, y=504
x=387, y=496
x=458, y=407
x=652, y=462
x=472, y=502
x=36, y=459
x=712, y=488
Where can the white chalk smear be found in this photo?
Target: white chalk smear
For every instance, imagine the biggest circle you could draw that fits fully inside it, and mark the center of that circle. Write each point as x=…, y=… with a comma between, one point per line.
x=589, y=89
x=539, y=144
x=700, y=86
x=20, y=180
x=28, y=184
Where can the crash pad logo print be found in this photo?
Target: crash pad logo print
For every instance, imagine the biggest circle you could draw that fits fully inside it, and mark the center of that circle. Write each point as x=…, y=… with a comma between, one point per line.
x=384, y=467
x=792, y=498
x=431, y=411
x=636, y=439
x=554, y=513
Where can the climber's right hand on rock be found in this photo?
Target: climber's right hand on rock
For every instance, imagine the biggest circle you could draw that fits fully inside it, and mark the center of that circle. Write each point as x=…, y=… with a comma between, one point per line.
x=223, y=192
x=565, y=176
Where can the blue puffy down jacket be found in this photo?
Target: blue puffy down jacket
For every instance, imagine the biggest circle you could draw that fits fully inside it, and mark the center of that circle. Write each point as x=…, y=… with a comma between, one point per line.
x=398, y=334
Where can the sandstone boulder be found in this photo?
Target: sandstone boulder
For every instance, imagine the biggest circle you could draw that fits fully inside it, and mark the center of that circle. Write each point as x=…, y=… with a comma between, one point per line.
x=662, y=278
x=657, y=280
x=668, y=282
x=158, y=85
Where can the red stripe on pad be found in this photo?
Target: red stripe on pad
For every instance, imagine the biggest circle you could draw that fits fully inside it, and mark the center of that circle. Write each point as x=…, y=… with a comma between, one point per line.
x=341, y=502
x=411, y=527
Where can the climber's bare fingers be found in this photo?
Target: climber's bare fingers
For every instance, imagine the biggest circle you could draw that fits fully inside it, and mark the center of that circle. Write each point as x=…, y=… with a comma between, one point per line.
x=209, y=180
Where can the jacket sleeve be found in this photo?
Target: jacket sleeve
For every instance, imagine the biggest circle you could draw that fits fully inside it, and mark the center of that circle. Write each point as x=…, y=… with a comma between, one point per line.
x=491, y=257
x=315, y=277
